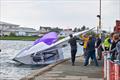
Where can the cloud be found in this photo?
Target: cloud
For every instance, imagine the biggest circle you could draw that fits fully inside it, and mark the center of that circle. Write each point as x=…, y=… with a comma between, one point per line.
x=64, y=13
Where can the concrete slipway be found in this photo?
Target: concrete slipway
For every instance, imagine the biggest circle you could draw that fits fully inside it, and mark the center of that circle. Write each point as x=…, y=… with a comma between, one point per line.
x=63, y=70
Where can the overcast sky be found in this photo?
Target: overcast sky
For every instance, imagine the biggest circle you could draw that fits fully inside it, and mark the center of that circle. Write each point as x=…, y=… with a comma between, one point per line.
x=59, y=13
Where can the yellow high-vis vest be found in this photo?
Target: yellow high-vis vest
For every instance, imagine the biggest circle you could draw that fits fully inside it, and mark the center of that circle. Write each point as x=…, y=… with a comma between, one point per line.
x=106, y=43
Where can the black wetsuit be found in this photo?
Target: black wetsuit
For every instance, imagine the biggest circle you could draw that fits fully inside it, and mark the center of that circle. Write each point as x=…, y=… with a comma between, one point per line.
x=73, y=44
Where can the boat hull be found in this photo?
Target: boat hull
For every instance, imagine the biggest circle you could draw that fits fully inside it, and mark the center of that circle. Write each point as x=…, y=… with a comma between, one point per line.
x=41, y=58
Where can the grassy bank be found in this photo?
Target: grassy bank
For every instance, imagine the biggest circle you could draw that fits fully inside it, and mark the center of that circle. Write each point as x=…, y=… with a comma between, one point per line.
x=24, y=38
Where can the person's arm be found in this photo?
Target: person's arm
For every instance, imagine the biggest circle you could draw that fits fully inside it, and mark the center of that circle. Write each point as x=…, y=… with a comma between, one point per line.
x=76, y=38
x=109, y=40
x=118, y=47
x=69, y=41
x=114, y=49
x=99, y=43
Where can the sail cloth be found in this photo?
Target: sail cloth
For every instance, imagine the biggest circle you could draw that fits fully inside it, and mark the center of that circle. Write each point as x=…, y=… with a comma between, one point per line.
x=48, y=38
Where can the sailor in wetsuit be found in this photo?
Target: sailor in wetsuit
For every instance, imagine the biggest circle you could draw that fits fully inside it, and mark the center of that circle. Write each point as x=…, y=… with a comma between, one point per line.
x=73, y=45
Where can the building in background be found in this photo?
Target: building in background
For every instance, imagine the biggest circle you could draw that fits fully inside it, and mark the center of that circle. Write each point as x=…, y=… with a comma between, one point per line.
x=23, y=31
x=6, y=29
x=5, y=26
x=65, y=33
x=44, y=30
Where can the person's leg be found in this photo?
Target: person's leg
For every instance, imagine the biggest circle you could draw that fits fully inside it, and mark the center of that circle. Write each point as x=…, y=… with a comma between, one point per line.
x=94, y=58
x=85, y=52
x=99, y=51
x=87, y=59
x=73, y=55
x=91, y=59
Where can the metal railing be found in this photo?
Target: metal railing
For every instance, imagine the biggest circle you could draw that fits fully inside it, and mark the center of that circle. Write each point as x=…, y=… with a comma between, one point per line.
x=111, y=69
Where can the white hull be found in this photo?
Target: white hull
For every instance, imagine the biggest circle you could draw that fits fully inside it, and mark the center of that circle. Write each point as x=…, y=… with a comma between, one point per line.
x=46, y=57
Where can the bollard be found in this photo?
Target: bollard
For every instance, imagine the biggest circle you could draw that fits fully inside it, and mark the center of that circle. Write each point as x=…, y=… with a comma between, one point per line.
x=108, y=65
x=105, y=66
x=108, y=69
x=112, y=70
x=116, y=71
x=119, y=70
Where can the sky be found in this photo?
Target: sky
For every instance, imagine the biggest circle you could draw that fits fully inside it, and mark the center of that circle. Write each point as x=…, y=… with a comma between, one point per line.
x=60, y=13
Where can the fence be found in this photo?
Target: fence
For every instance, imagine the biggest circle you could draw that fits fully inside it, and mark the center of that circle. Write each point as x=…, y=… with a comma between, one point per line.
x=111, y=69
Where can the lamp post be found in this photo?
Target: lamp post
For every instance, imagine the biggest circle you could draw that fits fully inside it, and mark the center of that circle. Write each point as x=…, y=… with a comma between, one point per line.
x=99, y=16
x=98, y=27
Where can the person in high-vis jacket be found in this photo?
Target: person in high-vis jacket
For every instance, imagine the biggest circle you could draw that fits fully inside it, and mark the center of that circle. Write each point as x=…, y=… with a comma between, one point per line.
x=107, y=44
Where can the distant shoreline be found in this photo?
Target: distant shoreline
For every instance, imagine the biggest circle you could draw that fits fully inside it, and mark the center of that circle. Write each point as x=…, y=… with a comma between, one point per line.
x=22, y=38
